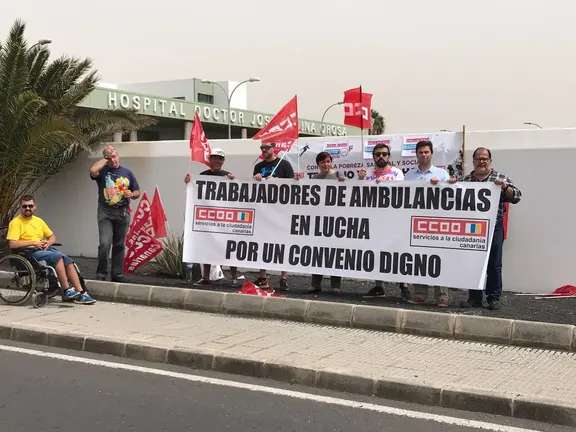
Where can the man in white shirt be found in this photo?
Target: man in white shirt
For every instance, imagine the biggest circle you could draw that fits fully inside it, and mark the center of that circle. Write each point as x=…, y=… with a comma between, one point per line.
x=428, y=172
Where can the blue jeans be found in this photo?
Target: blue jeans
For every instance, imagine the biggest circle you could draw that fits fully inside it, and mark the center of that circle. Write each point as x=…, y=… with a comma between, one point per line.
x=113, y=226
x=494, y=270
x=50, y=255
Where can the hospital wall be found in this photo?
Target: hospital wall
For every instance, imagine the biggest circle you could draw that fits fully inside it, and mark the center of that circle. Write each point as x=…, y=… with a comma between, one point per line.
x=539, y=253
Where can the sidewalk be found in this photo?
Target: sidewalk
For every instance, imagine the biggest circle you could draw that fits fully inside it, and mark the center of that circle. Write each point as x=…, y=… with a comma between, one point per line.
x=520, y=382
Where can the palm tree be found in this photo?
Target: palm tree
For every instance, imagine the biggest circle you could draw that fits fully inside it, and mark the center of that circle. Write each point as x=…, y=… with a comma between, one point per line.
x=378, y=123
x=41, y=127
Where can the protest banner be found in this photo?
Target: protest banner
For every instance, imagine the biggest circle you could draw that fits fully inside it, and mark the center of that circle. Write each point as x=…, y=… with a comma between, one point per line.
x=350, y=155
x=398, y=232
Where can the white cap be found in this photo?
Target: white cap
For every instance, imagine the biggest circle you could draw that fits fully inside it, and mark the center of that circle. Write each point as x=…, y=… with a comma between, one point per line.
x=218, y=152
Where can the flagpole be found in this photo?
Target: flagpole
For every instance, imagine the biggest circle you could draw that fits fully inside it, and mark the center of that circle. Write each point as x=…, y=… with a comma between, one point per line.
x=276, y=166
x=298, y=154
x=361, y=122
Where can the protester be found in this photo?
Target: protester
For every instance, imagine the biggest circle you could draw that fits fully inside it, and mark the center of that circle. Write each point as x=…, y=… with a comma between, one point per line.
x=384, y=171
x=217, y=158
x=31, y=232
x=116, y=186
x=326, y=172
x=483, y=172
x=263, y=170
x=428, y=172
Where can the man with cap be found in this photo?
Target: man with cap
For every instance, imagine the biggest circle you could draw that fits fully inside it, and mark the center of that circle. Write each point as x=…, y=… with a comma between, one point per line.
x=217, y=157
x=272, y=166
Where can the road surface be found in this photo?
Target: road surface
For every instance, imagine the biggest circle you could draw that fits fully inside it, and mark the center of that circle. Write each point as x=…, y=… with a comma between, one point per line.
x=44, y=389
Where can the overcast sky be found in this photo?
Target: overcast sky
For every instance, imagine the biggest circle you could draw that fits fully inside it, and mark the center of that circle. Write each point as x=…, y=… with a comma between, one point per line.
x=431, y=64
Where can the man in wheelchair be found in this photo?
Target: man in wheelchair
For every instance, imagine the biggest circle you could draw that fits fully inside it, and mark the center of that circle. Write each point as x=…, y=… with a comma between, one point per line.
x=31, y=233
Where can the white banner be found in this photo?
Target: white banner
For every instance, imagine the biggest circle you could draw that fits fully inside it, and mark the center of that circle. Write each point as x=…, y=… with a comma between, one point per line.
x=403, y=232
x=349, y=154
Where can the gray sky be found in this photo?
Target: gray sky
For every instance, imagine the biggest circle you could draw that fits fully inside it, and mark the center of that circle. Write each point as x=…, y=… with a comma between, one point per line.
x=431, y=64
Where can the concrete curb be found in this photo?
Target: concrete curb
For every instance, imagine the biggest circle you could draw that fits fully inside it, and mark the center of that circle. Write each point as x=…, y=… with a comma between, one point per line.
x=449, y=397
x=422, y=323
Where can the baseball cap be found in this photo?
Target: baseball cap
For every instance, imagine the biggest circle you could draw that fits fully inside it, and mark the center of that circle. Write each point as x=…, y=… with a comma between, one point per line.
x=218, y=152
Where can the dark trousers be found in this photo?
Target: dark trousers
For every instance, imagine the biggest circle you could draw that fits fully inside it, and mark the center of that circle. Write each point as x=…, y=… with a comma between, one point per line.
x=113, y=226
x=494, y=270
x=335, y=281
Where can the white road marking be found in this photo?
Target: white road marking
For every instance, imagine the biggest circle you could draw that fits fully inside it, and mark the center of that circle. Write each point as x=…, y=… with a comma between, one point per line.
x=275, y=391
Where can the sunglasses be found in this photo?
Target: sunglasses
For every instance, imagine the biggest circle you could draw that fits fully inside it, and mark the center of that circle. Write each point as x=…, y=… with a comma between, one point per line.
x=381, y=154
x=265, y=148
x=27, y=206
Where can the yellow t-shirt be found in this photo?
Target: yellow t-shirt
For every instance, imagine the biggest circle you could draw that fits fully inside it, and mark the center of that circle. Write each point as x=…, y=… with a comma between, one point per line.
x=28, y=229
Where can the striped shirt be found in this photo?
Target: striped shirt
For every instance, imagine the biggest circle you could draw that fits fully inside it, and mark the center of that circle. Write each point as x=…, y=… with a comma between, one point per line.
x=495, y=175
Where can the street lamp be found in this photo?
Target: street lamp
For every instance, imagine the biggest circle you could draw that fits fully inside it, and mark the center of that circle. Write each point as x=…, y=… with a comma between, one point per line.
x=41, y=42
x=323, y=115
x=533, y=124
x=229, y=96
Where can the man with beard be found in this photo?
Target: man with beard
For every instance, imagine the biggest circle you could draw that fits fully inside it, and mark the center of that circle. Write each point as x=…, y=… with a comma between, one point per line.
x=272, y=167
x=428, y=172
x=30, y=232
x=384, y=171
x=217, y=158
x=483, y=172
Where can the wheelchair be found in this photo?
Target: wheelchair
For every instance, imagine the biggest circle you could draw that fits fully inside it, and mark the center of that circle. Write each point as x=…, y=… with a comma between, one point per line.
x=22, y=279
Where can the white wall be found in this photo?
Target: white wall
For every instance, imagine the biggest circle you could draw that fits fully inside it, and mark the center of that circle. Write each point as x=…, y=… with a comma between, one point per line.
x=538, y=255
x=239, y=98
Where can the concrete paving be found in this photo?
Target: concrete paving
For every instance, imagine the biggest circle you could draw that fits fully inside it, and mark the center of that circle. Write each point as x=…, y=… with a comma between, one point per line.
x=520, y=382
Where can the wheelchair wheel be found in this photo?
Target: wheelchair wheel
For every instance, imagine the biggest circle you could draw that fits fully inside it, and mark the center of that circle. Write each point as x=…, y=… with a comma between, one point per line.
x=39, y=300
x=17, y=279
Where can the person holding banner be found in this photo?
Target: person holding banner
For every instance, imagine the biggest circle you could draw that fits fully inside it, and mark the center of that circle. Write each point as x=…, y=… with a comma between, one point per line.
x=384, y=171
x=428, y=172
x=483, y=172
x=217, y=158
x=326, y=172
x=272, y=167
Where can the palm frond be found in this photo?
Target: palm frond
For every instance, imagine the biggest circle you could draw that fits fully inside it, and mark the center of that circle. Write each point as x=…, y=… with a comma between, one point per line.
x=41, y=127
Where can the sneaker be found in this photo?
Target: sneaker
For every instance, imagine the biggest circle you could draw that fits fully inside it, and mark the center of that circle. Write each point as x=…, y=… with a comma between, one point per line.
x=442, y=303
x=374, y=293
x=283, y=286
x=314, y=290
x=71, y=293
x=85, y=299
x=493, y=304
x=406, y=294
x=335, y=290
x=419, y=300
x=470, y=304
x=201, y=282
x=234, y=283
x=262, y=283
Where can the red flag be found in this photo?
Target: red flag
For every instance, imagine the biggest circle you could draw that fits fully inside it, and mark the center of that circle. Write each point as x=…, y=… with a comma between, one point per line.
x=284, y=125
x=505, y=219
x=141, y=241
x=199, y=146
x=158, y=215
x=357, y=108
x=145, y=248
x=142, y=220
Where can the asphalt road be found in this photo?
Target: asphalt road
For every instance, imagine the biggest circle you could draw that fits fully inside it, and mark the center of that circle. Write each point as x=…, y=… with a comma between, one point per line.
x=43, y=393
